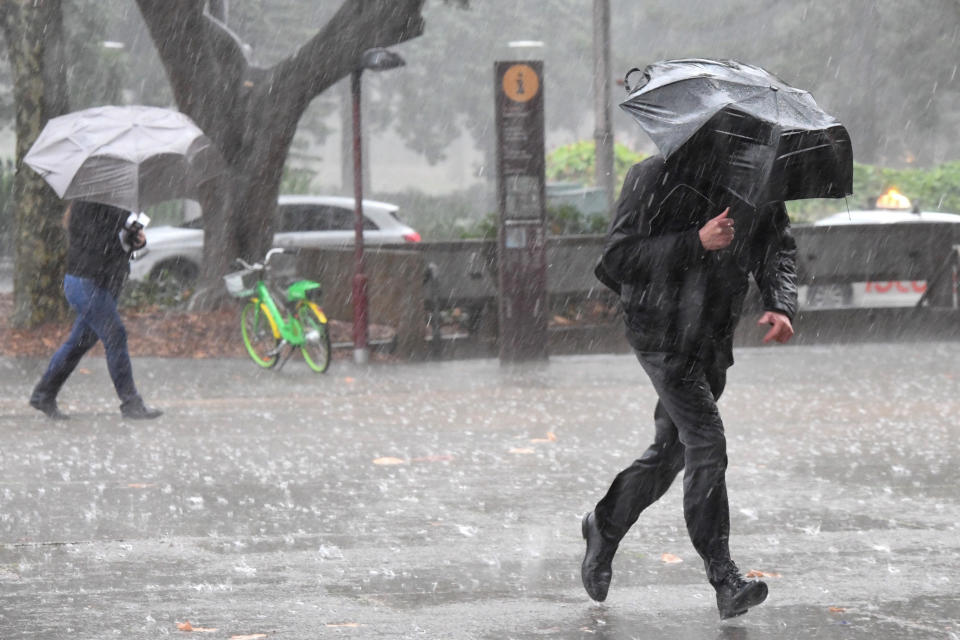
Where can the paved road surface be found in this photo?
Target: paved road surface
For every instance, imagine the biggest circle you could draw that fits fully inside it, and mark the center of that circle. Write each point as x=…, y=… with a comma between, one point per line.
x=443, y=501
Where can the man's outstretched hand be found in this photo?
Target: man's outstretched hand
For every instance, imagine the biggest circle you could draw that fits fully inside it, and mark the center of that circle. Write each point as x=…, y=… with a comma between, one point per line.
x=781, y=329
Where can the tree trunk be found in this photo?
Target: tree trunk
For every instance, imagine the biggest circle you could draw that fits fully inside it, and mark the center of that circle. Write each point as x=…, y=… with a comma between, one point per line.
x=251, y=113
x=33, y=30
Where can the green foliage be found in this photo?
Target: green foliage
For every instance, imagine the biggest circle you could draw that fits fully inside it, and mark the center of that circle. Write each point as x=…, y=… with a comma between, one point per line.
x=483, y=229
x=574, y=162
x=564, y=220
x=296, y=180
x=934, y=189
x=444, y=217
x=567, y=220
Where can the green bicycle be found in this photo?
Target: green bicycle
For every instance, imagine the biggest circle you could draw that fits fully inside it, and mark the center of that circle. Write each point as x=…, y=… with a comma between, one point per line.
x=266, y=329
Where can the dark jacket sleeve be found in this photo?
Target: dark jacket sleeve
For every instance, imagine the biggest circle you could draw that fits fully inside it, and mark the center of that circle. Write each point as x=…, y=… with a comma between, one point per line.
x=634, y=249
x=776, y=271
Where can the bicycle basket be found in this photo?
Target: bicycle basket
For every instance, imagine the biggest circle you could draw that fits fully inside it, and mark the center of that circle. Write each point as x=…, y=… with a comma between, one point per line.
x=241, y=284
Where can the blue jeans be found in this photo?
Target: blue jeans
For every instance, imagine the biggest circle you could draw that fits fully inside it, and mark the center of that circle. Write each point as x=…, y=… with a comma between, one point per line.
x=97, y=319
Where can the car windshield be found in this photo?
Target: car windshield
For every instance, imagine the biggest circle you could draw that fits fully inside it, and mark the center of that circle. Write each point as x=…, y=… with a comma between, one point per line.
x=196, y=223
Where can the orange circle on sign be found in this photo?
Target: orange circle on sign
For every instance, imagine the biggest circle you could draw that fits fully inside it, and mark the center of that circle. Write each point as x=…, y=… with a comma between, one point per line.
x=521, y=83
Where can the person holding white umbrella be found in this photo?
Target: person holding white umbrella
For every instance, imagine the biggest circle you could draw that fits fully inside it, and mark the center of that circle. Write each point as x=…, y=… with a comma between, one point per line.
x=112, y=161
x=101, y=238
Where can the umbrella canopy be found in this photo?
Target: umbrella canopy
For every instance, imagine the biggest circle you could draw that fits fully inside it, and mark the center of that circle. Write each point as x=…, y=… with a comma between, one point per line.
x=753, y=134
x=127, y=156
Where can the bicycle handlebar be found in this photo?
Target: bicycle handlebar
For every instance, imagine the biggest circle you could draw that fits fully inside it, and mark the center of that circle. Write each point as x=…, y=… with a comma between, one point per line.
x=271, y=253
x=240, y=262
x=256, y=266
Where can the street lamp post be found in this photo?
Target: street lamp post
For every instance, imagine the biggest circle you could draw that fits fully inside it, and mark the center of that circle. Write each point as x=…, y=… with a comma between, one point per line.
x=376, y=60
x=604, y=170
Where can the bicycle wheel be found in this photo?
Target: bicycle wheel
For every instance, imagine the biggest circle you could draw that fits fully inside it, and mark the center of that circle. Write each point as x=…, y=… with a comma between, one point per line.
x=258, y=336
x=316, y=338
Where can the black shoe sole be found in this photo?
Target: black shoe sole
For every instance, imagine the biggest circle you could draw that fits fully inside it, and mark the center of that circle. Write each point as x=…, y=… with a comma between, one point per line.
x=753, y=595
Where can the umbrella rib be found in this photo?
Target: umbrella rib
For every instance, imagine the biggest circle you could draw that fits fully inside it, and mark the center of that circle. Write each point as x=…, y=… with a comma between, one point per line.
x=805, y=150
x=734, y=135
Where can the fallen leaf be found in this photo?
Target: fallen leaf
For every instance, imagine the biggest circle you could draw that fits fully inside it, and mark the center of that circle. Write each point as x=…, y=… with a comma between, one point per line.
x=186, y=626
x=551, y=437
x=140, y=485
x=388, y=460
x=84, y=371
x=521, y=450
x=756, y=573
x=669, y=558
x=433, y=459
x=343, y=624
x=837, y=610
x=349, y=380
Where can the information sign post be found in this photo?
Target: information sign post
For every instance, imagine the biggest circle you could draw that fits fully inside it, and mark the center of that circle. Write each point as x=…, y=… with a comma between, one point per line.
x=521, y=262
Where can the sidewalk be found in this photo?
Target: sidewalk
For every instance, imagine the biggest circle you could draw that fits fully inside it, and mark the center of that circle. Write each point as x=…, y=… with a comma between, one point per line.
x=443, y=500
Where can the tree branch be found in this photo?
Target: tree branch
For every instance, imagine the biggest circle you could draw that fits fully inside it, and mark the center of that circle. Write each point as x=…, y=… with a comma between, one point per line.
x=228, y=49
x=205, y=65
x=336, y=49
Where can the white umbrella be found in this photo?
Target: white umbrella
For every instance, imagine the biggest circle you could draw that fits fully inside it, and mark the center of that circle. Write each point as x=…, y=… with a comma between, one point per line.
x=129, y=156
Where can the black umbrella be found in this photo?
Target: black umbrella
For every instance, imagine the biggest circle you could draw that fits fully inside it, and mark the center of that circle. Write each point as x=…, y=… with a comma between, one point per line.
x=742, y=128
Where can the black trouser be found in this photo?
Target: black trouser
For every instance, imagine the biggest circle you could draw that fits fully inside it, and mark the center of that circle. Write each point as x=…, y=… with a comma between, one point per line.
x=689, y=435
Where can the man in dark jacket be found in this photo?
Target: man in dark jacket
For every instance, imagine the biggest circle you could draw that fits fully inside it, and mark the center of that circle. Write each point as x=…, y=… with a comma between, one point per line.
x=679, y=252
x=100, y=239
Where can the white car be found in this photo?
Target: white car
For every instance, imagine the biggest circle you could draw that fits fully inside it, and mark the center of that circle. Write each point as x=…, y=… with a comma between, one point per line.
x=881, y=216
x=303, y=222
x=900, y=293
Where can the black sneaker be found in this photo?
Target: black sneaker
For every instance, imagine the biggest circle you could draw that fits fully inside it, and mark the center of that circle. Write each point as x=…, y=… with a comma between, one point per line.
x=136, y=410
x=596, y=570
x=735, y=595
x=49, y=408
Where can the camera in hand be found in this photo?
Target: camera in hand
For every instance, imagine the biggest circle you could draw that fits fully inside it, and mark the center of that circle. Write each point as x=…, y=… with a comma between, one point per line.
x=129, y=237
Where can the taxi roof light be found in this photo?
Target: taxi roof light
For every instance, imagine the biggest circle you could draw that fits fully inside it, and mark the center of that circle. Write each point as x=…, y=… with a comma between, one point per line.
x=893, y=199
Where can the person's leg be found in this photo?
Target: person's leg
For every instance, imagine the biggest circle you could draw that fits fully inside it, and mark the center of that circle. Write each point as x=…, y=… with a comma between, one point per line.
x=687, y=395
x=688, y=389
x=644, y=481
x=102, y=316
x=633, y=490
x=81, y=339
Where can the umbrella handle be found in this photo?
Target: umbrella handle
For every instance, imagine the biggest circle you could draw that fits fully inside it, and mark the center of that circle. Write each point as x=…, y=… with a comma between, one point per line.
x=626, y=78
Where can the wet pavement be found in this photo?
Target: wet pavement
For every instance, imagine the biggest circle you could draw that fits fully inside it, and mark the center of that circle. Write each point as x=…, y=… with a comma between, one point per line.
x=443, y=500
